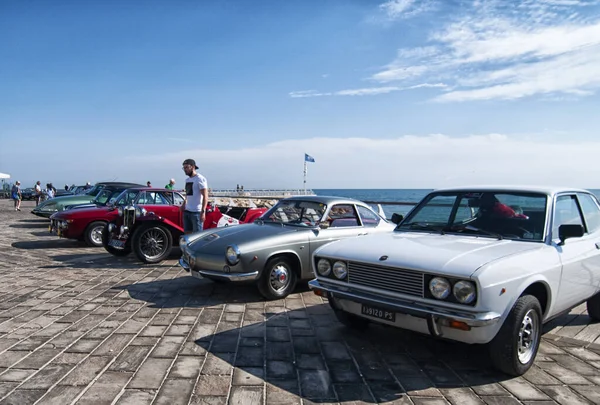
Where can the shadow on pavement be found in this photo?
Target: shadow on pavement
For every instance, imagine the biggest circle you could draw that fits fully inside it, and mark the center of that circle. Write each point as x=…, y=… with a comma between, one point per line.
x=34, y=221
x=307, y=352
x=30, y=225
x=49, y=244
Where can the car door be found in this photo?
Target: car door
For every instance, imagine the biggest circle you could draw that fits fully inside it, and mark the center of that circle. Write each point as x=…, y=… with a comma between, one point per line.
x=343, y=221
x=576, y=255
x=591, y=216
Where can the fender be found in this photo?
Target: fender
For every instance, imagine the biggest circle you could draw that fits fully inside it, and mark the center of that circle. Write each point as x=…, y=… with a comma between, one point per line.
x=534, y=278
x=286, y=252
x=157, y=218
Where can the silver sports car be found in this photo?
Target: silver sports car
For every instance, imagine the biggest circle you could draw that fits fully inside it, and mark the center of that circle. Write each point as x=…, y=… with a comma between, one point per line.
x=275, y=250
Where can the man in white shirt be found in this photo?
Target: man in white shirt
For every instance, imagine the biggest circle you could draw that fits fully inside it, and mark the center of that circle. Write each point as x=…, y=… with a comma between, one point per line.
x=196, y=198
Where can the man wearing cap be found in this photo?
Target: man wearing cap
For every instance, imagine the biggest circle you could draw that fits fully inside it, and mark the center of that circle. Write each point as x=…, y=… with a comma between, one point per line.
x=196, y=198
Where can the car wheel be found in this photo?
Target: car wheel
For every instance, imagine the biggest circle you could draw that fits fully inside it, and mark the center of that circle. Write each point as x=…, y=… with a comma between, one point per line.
x=514, y=348
x=593, y=307
x=349, y=320
x=113, y=251
x=93, y=233
x=278, y=279
x=152, y=243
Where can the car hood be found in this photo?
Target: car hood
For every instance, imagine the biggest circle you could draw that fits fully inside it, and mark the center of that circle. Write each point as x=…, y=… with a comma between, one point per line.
x=219, y=238
x=452, y=255
x=94, y=212
x=66, y=200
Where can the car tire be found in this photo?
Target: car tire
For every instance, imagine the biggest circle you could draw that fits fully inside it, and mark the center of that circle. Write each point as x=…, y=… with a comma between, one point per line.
x=515, y=347
x=113, y=251
x=152, y=243
x=93, y=233
x=349, y=320
x=277, y=272
x=593, y=307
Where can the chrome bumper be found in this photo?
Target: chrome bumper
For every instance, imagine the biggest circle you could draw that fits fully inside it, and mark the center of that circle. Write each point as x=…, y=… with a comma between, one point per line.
x=431, y=313
x=217, y=274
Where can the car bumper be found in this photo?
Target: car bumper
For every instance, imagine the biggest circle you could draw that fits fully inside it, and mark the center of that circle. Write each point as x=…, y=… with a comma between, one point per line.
x=468, y=327
x=234, y=277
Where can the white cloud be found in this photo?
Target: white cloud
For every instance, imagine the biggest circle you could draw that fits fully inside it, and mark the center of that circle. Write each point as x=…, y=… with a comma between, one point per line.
x=403, y=162
x=368, y=91
x=404, y=8
x=493, y=51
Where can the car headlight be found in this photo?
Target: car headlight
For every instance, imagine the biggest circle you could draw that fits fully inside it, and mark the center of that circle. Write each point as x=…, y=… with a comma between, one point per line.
x=324, y=267
x=232, y=255
x=120, y=211
x=439, y=288
x=140, y=211
x=340, y=270
x=464, y=292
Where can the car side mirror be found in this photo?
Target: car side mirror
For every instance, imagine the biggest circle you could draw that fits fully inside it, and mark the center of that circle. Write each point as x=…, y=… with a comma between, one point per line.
x=324, y=224
x=397, y=218
x=567, y=231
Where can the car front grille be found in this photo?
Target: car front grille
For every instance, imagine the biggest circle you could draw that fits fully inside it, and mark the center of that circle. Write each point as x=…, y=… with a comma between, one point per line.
x=128, y=216
x=391, y=279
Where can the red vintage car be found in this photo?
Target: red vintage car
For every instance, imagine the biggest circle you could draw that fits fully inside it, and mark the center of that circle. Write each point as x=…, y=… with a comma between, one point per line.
x=151, y=231
x=87, y=224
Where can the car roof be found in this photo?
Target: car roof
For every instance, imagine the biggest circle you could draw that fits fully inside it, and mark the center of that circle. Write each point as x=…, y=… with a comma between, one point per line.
x=118, y=184
x=146, y=188
x=324, y=199
x=549, y=190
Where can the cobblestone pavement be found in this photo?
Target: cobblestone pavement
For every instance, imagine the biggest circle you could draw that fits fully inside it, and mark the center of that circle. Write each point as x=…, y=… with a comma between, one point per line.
x=78, y=326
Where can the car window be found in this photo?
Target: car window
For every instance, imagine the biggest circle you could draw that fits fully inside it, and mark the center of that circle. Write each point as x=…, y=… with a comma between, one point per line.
x=565, y=212
x=436, y=211
x=178, y=199
x=126, y=198
x=368, y=217
x=591, y=212
x=341, y=215
x=295, y=212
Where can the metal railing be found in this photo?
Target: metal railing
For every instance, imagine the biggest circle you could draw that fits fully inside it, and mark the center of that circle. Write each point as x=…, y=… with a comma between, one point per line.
x=259, y=193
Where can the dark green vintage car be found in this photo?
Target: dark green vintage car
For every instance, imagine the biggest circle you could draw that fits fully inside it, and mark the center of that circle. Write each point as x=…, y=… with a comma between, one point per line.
x=49, y=207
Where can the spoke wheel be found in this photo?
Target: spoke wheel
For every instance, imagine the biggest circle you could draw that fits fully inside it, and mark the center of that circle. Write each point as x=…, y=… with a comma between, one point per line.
x=153, y=243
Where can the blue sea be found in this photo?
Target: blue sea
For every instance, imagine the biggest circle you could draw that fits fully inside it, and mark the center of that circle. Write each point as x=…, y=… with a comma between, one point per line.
x=395, y=195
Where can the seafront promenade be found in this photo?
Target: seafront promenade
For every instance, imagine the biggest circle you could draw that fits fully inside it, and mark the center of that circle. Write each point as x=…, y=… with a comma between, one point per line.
x=79, y=326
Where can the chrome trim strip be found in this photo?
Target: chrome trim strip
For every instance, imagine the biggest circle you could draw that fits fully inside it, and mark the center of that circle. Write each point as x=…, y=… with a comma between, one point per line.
x=184, y=264
x=407, y=307
x=230, y=276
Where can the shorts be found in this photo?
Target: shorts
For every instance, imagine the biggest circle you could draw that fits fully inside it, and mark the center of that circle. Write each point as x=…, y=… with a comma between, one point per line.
x=192, y=221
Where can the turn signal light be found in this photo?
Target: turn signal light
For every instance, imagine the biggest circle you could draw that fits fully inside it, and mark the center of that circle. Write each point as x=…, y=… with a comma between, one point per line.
x=320, y=293
x=459, y=325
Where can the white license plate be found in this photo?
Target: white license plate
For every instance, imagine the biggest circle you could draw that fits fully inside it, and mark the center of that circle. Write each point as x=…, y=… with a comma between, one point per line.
x=116, y=243
x=378, y=313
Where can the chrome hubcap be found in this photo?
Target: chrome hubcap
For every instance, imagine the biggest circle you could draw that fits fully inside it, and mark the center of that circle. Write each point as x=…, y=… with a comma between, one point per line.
x=153, y=243
x=96, y=235
x=280, y=277
x=528, y=336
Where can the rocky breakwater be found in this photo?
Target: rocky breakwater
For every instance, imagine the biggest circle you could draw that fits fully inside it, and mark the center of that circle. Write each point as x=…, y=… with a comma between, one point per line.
x=243, y=202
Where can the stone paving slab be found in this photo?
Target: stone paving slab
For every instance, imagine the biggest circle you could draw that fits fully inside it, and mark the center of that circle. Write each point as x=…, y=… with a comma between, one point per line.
x=78, y=326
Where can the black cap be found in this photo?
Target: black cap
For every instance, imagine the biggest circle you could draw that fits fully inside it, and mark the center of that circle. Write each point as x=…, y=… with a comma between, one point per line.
x=190, y=162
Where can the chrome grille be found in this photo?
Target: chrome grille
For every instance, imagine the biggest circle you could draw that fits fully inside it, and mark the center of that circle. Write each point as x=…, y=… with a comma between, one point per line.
x=386, y=278
x=128, y=216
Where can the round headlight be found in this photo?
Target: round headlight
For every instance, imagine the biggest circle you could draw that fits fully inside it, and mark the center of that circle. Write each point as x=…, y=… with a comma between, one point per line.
x=439, y=287
x=340, y=270
x=120, y=211
x=464, y=291
x=232, y=255
x=324, y=267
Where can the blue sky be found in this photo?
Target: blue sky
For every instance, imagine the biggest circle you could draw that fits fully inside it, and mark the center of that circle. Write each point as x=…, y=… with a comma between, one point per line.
x=383, y=94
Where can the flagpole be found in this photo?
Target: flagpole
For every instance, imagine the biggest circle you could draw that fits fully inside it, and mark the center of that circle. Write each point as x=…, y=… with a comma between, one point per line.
x=305, y=175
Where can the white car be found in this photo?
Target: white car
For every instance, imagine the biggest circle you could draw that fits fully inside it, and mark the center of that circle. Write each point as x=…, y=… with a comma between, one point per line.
x=481, y=265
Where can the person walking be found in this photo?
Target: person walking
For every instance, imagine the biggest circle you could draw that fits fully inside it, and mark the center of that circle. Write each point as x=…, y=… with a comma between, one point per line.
x=15, y=194
x=196, y=198
x=170, y=185
x=38, y=192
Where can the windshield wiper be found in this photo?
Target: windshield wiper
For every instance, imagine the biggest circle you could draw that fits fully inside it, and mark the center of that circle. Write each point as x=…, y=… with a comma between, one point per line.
x=474, y=229
x=424, y=226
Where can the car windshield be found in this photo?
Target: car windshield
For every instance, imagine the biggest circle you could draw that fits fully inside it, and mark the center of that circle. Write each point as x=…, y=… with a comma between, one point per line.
x=104, y=196
x=95, y=190
x=295, y=212
x=127, y=197
x=502, y=214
